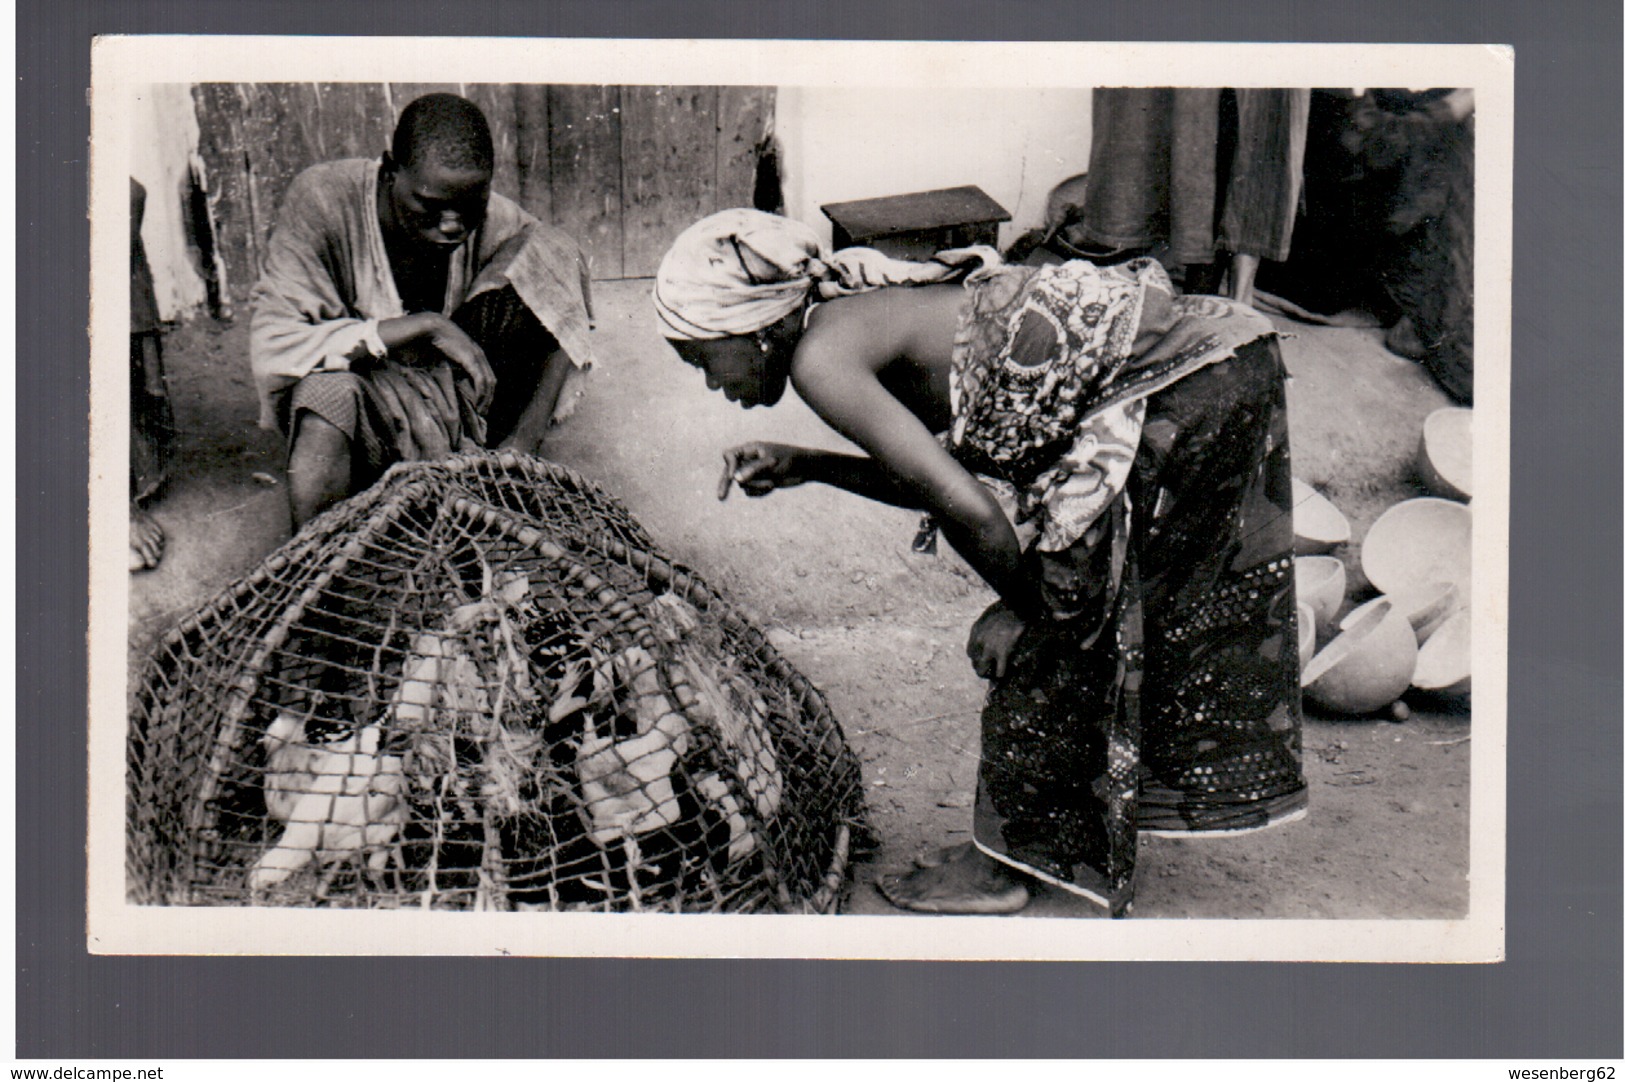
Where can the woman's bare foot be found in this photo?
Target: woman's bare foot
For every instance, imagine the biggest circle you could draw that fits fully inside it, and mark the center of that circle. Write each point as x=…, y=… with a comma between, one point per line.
x=1404, y=339
x=146, y=540
x=967, y=881
x=936, y=858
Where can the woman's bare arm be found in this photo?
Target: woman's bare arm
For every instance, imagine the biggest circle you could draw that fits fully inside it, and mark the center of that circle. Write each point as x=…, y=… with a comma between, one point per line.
x=835, y=374
x=759, y=468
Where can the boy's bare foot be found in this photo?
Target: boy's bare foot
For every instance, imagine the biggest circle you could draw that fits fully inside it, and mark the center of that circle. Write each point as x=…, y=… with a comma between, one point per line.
x=146, y=540
x=967, y=881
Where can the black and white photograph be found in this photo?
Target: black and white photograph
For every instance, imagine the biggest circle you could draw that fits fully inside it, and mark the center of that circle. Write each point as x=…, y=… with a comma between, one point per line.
x=1024, y=501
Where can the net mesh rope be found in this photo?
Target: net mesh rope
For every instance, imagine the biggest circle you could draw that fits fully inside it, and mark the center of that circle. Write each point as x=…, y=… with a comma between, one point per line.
x=479, y=685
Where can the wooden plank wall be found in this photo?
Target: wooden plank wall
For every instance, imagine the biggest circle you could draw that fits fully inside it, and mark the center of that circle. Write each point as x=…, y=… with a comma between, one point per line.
x=622, y=169
x=584, y=151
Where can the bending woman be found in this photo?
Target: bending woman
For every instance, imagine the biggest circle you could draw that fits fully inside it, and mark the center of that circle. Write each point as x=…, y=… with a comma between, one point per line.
x=1111, y=458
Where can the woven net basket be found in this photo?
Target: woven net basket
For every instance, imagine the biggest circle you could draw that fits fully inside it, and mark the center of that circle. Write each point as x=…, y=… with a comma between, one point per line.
x=479, y=685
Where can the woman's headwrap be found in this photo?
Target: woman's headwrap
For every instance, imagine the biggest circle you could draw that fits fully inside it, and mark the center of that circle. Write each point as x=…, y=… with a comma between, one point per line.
x=741, y=270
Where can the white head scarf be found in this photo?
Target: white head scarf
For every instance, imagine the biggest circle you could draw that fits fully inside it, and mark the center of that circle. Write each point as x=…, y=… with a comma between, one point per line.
x=741, y=270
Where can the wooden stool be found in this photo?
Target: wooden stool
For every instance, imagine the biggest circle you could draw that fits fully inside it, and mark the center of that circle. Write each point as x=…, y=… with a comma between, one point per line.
x=918, y=225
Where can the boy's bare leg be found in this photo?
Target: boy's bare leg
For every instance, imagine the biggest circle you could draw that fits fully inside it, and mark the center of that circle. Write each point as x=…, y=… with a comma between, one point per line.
x=530, y=431
x=318, y=468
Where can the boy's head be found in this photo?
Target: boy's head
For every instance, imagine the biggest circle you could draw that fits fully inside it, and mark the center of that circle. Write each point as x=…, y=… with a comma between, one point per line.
x=439, y=169
x=451, y=130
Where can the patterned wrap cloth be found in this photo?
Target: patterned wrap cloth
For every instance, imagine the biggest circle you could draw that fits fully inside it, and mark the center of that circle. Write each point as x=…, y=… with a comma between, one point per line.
x=1140, y=439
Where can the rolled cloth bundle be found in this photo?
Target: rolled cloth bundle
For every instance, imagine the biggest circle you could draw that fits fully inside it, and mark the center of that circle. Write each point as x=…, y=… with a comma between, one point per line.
x=741, y=270
x=427, y=408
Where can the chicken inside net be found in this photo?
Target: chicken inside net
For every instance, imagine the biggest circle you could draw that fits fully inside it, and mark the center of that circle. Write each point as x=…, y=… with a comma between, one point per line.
x=479, y=686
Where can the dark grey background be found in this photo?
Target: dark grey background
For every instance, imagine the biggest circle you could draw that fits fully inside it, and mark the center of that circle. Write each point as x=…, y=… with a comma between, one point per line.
x=1558, y=994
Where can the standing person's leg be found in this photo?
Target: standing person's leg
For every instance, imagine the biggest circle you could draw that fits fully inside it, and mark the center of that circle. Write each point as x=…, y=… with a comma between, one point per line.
x=1193, y=172
x=152, y=419
x=1265, y=181
x=1060, y=749
x=1150, y=173
x=1056, y=779
x=1243, y=270
x=1222, y=723
x=152, y=447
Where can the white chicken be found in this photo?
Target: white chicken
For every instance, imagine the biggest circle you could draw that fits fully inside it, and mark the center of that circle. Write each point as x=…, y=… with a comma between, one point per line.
x=718, y=693
x=725, y=698
x=337, y=799
x=626, y=784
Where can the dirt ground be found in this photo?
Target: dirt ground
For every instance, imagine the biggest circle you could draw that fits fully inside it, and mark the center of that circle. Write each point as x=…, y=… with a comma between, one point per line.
x=881, y=630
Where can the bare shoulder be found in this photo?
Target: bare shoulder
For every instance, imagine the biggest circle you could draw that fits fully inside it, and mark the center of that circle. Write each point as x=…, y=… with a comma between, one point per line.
x=890, y=302
x=836, y=362
x=877, y=328
x=848, y=316
x=845, y=334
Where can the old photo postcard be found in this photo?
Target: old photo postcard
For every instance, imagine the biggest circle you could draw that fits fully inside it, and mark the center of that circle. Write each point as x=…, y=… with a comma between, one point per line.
x=799, y=499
